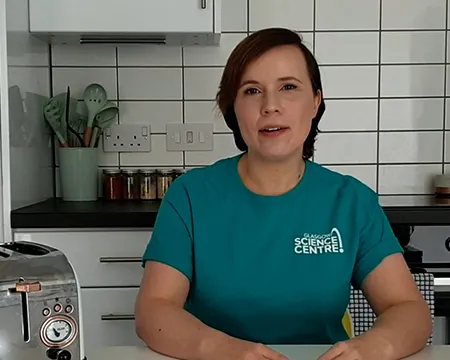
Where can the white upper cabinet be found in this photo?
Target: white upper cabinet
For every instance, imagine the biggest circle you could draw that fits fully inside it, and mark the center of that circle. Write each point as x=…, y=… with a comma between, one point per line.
x=176, y=22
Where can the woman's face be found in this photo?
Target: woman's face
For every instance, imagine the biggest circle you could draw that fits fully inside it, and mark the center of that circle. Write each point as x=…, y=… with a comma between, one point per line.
x=275, y=104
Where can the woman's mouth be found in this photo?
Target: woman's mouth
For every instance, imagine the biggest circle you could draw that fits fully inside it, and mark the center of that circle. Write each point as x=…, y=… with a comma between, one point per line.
x=273, y=131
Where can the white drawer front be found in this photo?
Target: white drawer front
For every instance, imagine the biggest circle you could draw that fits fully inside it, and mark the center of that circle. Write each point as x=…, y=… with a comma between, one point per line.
x=100, y=259
x=106, y=314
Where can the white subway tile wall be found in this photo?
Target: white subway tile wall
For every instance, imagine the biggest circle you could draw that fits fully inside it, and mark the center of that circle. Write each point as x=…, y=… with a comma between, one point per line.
x=384, y=71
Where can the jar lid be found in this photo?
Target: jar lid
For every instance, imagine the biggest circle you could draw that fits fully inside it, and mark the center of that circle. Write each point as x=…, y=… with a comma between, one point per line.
x=111, y=171
x=178, y=171
x=442, y=180
x=130, y=171
x=165, y=171
x=147, y=172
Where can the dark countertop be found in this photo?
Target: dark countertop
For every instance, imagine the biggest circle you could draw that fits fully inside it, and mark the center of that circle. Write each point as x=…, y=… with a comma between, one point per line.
x=55, y=213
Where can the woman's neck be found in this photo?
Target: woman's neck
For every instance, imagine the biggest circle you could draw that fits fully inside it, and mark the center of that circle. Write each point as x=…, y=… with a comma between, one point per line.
x=270, y=177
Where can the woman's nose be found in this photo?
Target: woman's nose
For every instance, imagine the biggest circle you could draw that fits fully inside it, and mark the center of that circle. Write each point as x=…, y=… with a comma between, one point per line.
x=270, y=104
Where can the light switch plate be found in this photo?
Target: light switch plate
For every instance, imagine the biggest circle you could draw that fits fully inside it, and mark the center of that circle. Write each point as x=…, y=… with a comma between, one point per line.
x=189, y=137
x=127, y=138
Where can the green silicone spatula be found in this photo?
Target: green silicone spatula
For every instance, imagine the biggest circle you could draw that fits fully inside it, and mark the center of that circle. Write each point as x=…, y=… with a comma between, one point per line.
x=103, y=120
x=53, y=115
x=95, y=98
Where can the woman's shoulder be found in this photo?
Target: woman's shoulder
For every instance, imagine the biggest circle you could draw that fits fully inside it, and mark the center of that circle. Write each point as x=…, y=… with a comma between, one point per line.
x=198, y=181
x=342, y=183
x=217, y=169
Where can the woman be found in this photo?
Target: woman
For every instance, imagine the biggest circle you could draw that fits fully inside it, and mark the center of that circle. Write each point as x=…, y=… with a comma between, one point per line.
x=261, y=248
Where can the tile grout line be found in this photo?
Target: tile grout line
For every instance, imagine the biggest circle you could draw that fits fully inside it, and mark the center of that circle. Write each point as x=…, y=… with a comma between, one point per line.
x=314, y=47
x=117, y=95
x=340, y=132
x=445, y=88
x=377, y=172
x=248, y=17
x=50, y=81
x=347, y=98
x=215, y=66
x=337, y=164
x=354, y=30
x=183, y=101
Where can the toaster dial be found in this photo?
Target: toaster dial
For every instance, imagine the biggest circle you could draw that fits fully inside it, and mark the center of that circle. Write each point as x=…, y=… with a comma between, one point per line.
x=59, y=331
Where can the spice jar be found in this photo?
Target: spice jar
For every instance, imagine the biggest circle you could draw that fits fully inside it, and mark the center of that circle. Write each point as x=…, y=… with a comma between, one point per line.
x=131, y=188
x=148, y=185
x=164, y=181
x=112, y=184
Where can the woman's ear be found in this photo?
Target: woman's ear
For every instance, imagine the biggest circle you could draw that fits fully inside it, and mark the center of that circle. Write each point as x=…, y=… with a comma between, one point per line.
x=317, y=102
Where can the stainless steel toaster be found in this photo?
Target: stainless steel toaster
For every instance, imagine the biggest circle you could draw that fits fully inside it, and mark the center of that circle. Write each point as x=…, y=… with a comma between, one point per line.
x=40, y=305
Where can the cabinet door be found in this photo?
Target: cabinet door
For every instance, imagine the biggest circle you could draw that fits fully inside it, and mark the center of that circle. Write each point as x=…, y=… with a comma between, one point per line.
x=100, y=258
x=119, y=16
x=108, y=317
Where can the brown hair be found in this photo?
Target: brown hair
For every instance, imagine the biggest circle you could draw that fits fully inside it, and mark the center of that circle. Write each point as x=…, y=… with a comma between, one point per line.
x=247, y=51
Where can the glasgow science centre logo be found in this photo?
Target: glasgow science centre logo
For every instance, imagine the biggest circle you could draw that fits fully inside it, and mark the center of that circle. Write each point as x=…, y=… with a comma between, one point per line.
x=315, y=244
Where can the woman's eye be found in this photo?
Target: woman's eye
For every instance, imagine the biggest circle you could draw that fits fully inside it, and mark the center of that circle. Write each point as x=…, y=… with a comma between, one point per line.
x=251, y=91
x=289, y=87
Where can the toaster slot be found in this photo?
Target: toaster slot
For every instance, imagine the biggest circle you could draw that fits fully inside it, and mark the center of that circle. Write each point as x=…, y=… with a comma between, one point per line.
x=26, y=249
x=4, y=255
x=23, y=288
x=25, y=310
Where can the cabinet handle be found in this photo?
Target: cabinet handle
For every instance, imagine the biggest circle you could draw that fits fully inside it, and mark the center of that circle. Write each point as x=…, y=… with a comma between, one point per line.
x=203, y=4
x=114, y=317
x=447, y=244
x=101, y=41
x=123, y=259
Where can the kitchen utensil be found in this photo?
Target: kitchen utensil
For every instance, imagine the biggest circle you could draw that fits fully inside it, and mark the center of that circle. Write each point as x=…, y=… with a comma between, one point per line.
x=41, y=311
x=103, y=120
x=95, y=98
x=78, y=173
x=67, y=120
x=78, y=117
x=52, y=113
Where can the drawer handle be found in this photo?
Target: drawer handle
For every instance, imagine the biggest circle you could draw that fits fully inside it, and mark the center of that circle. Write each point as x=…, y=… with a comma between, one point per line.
x=114, y=317
x=113, y=259
x=447, y=244
x=203, y=4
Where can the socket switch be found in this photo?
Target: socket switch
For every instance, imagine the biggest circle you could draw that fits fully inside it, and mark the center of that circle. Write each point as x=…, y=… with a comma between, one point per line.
x=189, y=137
x=127, y=138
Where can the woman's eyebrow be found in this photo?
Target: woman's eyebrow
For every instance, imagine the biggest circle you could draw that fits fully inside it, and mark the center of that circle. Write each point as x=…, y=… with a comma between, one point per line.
x=284, y=78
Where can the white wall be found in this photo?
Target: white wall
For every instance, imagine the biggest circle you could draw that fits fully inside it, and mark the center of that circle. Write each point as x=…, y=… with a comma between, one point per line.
x=384, y=73
x=31, y=175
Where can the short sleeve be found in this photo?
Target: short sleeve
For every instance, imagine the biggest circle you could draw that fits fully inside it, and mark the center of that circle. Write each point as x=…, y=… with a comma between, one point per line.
x=171, y=240
x=377, y=240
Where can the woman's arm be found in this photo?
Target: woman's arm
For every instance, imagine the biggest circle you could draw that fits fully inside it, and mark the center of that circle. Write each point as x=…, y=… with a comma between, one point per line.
x=404, y=322
x=161, y=321
x=164, y=325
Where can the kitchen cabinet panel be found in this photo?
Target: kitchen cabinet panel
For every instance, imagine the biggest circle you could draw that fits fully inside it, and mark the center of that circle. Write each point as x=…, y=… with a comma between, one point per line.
x=107, y=317
x=100, y=259
x=139, y=20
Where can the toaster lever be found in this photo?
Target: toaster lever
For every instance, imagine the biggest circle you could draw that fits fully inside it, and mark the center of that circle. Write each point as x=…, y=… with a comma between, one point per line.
x=26, y=287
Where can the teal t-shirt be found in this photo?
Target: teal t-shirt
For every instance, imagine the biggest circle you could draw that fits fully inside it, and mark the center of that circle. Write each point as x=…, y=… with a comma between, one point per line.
x=271, y=269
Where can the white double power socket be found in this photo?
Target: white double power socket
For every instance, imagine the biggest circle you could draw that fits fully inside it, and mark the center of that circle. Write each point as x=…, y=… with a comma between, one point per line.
x=179, y=137
x=127, y=138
